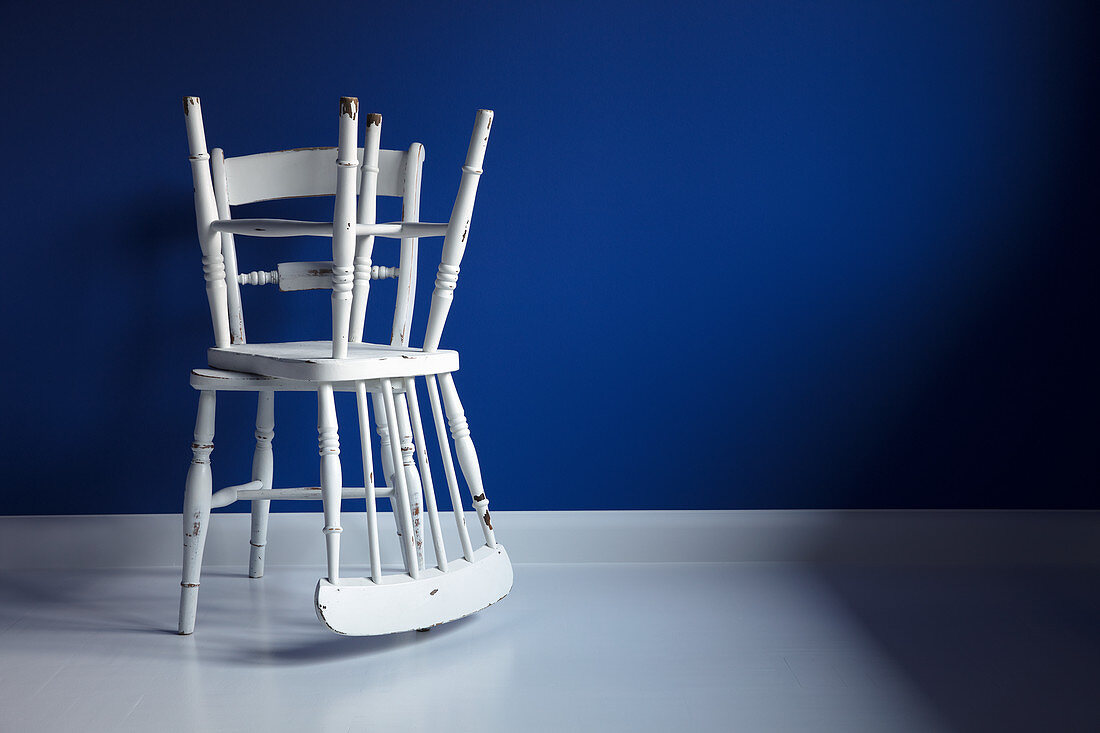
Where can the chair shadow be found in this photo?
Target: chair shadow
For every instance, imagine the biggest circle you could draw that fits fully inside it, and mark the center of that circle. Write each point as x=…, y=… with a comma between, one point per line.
x=338, y=647
x=40, y=602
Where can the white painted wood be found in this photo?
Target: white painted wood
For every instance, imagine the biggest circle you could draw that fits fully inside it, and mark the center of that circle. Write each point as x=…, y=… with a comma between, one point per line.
x=258, y=277
x=344, y=363
x=222, y=380
x=230, y=494
x=386, y=450
x=426, y=474
x=306, y=172
x=213, y=264
x=412, y=477
x=449, y=469
x=343, y=223
x=294, y=276
x=399, y=479
x=328, y=441
x=196, y=511
x=370, y=491
x=458, y=229
x=467, y=456
x=229, y=249
x=365, y=214
x=359, y=607
x=262, y=471
x=312, y=361
x=253, y=491
x=410, y=213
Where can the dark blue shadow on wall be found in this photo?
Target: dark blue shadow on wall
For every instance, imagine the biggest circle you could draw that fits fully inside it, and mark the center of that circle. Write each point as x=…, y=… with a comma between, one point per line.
x=839, y=254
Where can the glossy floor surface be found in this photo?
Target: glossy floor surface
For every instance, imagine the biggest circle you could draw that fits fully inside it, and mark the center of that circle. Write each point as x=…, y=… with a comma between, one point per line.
x=596, y=647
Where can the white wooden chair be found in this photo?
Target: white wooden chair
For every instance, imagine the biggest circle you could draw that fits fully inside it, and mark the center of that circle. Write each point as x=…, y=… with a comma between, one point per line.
x=419, y=597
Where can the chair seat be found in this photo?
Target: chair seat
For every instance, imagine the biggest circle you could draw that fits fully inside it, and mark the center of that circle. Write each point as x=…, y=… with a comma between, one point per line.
x=312, y=361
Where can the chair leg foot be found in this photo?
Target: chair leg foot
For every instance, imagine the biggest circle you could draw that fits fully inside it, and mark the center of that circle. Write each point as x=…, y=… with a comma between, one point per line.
x=189, y=603
x=256, y=561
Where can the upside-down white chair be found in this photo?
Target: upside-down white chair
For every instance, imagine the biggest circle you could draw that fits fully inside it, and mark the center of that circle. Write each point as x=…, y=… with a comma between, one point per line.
x=420, y=596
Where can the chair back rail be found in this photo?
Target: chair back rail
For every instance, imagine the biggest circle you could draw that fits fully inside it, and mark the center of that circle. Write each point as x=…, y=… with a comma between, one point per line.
x=304, y=173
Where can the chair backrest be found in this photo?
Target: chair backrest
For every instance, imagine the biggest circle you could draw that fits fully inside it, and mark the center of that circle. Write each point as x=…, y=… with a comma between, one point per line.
x=300, y=173
x=361, y=175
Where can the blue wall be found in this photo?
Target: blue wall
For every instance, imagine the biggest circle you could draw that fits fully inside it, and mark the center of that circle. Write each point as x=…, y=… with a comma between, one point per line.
x=735, y=255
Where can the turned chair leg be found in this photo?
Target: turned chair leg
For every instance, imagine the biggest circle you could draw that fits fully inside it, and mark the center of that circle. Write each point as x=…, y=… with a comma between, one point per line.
x=262, y=469
x=332, y=489
x=467, y=456
x=196, y=510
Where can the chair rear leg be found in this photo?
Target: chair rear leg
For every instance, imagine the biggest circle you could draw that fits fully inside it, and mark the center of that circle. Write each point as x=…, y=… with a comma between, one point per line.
x=328, y=441
x=196, y=510
x=262, y=469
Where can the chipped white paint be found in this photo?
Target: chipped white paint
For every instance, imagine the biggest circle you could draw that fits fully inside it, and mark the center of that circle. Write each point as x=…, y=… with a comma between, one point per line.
x=381, y=603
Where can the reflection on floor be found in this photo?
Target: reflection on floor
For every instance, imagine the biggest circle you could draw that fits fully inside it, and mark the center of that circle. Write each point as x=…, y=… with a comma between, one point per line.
x=722, y=647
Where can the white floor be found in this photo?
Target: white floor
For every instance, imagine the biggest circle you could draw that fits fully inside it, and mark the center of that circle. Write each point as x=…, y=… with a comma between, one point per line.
x=594, y=647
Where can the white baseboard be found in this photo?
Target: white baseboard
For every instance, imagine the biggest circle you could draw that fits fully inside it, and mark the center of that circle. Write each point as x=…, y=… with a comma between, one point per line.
x=869, y=536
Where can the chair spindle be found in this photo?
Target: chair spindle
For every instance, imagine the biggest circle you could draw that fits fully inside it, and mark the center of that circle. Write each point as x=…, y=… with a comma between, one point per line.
x=366, y=214
x=368, y=480
x=399, y=477
x=449, y=469
x=425, y=474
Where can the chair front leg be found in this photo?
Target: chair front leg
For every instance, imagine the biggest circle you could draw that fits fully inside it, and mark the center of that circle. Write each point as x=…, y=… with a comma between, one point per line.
x=332, y=489
x=262, y=469
x=196, y=510
x=467, y=456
